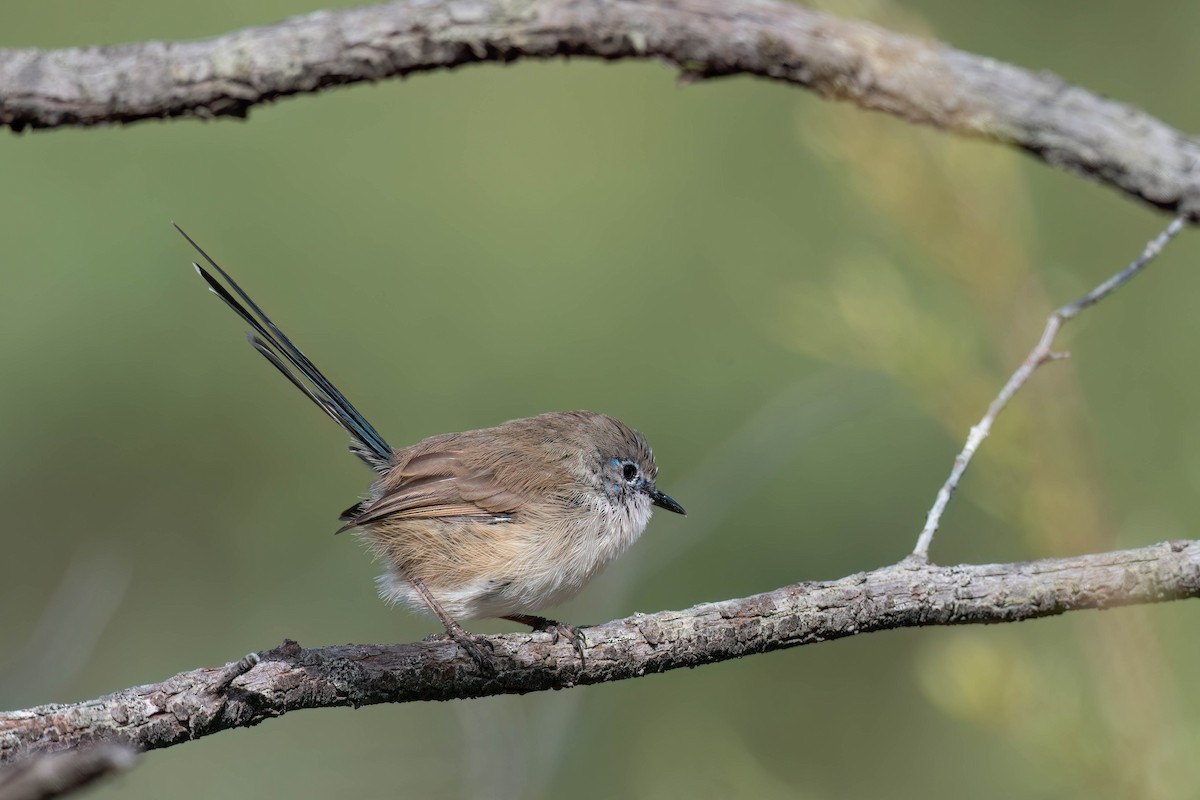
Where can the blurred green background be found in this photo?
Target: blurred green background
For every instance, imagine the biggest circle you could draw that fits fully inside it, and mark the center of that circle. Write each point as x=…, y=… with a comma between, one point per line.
x=803, y=306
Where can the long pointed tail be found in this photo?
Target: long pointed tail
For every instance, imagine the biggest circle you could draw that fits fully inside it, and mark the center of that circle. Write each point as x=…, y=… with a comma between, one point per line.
x=276, y=347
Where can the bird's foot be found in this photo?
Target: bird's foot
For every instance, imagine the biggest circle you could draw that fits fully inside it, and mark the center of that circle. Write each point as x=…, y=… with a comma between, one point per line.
x=557, y=631
x=478, y=647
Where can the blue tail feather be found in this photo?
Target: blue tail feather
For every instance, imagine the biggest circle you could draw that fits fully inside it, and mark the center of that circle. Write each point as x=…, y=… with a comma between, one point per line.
x=274, y=345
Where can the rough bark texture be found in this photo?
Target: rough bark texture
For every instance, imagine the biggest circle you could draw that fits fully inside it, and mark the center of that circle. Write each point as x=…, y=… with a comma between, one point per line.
x=918, y=80
x=909, y=594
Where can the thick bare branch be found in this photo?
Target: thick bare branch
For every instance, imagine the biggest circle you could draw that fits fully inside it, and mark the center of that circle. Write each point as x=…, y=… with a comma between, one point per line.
x=289, y=678
x=915, y=79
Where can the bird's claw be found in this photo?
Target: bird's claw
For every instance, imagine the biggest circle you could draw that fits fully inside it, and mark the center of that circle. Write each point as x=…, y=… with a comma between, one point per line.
x=557, y=630
x=479, y=648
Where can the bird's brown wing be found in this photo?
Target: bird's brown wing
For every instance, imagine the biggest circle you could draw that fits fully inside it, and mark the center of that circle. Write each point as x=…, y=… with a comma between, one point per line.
x=438, y=484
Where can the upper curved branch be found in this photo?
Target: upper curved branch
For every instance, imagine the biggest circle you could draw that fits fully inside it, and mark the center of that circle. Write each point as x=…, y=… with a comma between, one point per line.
x=918, y=80
x=909, y=594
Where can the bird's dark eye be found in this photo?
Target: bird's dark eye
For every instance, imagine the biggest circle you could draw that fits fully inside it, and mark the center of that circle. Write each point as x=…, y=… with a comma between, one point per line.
x=629, y=471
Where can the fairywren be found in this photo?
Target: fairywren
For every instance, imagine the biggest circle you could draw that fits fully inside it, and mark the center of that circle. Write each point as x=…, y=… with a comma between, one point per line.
x=498, y=522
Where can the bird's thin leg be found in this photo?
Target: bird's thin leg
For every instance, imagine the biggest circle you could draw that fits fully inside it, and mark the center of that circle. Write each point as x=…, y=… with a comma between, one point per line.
x=470, y=642
x=555, y=629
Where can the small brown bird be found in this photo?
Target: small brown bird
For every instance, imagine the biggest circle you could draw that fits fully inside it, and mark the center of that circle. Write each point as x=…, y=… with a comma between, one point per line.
x=498, y=522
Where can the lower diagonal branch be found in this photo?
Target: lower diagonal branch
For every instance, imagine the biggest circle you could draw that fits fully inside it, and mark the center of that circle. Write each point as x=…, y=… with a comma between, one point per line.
x=908, y=594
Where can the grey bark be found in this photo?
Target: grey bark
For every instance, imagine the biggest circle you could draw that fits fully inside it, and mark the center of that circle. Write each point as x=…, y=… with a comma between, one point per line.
x=918, y=80
x=909, y=594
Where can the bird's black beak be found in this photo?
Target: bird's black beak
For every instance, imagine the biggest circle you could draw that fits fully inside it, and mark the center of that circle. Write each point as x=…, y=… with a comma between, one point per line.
x=663, y=501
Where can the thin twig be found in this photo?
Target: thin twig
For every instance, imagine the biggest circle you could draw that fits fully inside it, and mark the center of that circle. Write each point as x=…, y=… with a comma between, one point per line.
x=1040, y=354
